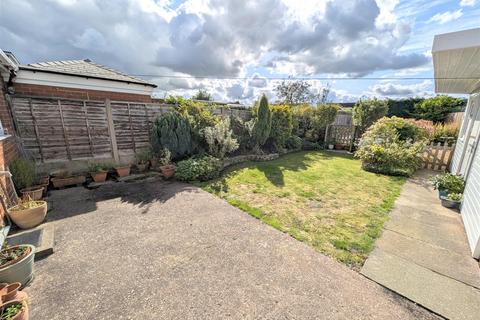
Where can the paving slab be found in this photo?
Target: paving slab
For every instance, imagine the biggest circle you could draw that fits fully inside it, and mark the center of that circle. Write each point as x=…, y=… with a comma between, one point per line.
x=448, y=297
x=423, y=254
x=42, y=237
x=431, y=257
x=166, y=250
x=446, y=235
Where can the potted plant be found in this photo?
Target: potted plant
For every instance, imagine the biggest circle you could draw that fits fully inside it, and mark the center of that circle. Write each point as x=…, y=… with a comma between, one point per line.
x=98, y=171
x=452, y=200
x=28, y=213
x=63, y=178
x=122, y=170
x=143, y=160
x=16, y=264
x=166, y=166
x=447, y=183
x=330, y=146
x=25, y=177
x=14, y=310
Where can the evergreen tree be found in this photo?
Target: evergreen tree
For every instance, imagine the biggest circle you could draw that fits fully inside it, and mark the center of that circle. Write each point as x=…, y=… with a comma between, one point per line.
x=263, y=124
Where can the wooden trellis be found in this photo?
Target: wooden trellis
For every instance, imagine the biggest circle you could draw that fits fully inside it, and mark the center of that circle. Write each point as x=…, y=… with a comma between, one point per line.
x=438, y=156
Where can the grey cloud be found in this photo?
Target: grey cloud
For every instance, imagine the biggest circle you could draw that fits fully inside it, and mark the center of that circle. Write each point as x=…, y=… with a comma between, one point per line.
x=122, y=35
x=394, y=89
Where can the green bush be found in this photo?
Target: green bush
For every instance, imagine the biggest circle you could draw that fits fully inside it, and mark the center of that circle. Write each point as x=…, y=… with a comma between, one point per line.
x=309, y=145
x=437, y=108
x=366, y=112
x=310, y=122
x=392, y=146
x=263, y=123
x=200, y=169
x=199, y=116
x=293, y=143
x=23, y=172
x=219, y=139
x=450, y=183
x=447, y=132
x=282, y=125
x=171, y=131
x=242, y=132
x=403, y=108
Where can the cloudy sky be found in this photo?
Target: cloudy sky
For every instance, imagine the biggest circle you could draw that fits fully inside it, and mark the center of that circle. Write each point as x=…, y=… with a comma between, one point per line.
x=236, y=49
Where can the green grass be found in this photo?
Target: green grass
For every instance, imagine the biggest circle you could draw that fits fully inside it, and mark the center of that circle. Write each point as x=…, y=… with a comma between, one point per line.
x=321, y=198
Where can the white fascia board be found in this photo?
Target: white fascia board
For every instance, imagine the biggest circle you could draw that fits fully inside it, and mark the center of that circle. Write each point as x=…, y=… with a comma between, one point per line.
x=78, y=82
x=456, y=40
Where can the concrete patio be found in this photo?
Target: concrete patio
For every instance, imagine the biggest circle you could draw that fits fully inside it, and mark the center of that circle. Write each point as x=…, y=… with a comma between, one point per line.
x=423, y=254
x=157, y=250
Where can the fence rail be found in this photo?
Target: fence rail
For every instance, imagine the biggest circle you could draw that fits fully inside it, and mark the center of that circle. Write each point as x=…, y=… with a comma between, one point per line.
x=438, y=156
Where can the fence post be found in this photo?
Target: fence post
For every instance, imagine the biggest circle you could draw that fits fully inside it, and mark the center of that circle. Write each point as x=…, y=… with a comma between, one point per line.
x=111, y=130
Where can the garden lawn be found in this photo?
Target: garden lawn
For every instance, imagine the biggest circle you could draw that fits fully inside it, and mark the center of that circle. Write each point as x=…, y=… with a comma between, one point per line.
x=322, y=198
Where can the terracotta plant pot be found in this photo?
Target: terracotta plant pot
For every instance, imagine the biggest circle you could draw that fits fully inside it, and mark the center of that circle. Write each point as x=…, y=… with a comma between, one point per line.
x=99, y=176
x=28, y=218
x=21, y=269
x=61, y=182
x=11, y=292
x=168, y=171
x=33, y=193
x=22, y=315
x=122, y=171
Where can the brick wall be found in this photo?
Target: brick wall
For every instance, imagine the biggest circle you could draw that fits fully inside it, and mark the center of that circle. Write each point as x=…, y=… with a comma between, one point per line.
x=72, y=93
x=8, y=147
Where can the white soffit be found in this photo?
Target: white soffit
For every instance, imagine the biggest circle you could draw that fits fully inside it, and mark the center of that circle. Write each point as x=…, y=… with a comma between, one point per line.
x=456, y=62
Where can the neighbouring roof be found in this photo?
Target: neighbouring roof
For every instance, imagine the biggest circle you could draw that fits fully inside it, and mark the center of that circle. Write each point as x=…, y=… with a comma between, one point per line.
x=456, y=61
x=84, y=68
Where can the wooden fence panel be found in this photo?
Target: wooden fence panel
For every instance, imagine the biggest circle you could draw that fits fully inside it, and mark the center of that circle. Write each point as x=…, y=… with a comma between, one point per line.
x=54, y=130
x=57, y=130
x=438, y=156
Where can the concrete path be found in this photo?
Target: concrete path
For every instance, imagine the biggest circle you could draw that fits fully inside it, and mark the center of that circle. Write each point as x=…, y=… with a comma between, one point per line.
x=423, y=254
x=171, y=251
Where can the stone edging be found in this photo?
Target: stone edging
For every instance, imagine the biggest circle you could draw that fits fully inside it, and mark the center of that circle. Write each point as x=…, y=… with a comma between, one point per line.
x=227, y=162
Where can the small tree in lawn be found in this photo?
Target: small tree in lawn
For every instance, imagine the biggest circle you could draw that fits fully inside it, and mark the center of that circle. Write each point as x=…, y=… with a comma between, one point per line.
x=366, y=112
x=263, y=123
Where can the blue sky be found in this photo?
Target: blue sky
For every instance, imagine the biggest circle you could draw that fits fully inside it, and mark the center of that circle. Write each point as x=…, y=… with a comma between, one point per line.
x=243, y=42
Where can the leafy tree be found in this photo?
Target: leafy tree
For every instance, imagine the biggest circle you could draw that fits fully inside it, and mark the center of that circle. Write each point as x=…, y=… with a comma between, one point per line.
x=173, y=132
x=299, y=92
x=437, y=108
x=282, y=125
x=263, y=123
x=202, y=95
x=366, y=112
